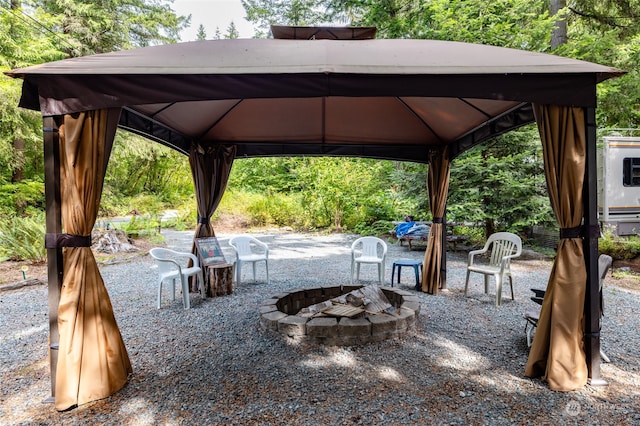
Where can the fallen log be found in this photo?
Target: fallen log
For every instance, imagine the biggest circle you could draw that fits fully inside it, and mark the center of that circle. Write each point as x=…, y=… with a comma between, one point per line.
x=20, y=284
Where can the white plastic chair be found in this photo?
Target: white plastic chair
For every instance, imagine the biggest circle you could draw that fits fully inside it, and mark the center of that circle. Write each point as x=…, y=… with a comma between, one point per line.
x=251, y=250
x=504, y=247
x=174, y=265
x=368, y=250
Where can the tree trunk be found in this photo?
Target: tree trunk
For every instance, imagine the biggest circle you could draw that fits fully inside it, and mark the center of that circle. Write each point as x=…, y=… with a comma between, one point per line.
x=559, y=34
x=489, y=227
x=487, y=199
x=17, y=175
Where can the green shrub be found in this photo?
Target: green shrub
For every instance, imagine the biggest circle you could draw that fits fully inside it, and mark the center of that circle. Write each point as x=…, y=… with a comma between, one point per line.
x=276, y=209
x=235, y=202
x=379, y=228
x=24, y=198
x=186, y=218
x=23, y=238
x=146, y=204
x=142, y=226
x=619, y=248
x=112, y=205
x=475, y=234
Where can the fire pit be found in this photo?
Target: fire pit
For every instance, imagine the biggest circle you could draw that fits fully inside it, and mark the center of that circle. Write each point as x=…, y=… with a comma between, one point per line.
x=325, y=315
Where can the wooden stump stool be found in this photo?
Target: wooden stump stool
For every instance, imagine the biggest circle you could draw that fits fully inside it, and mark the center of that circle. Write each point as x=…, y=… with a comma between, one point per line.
x=220, y=279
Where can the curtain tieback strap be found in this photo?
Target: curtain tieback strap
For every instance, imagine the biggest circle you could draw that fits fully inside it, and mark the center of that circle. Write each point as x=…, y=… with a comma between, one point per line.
x=580, y=232
x=437, y=220
x=203, y=220
x=575, y=232
x=66, y=240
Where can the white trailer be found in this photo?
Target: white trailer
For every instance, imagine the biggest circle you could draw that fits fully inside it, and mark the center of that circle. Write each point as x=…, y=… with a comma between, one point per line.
x=619, y=184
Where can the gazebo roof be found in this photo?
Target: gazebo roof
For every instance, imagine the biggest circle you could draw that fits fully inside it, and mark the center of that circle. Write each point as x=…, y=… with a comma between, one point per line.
x=392, y=99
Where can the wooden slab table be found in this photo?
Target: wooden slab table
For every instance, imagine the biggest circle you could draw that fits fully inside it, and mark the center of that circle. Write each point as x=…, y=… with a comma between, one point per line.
x=453, y=239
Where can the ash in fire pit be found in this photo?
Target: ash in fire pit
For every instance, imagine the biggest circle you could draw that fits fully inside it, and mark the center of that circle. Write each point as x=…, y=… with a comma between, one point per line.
x=369, y=300
x=342, y=315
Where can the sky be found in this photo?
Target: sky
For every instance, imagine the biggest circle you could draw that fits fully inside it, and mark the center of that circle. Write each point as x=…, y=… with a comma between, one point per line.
x=212, y=14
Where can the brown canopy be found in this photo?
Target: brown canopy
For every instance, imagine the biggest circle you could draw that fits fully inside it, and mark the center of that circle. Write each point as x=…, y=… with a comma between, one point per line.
x=374, y=98
x=411, y=100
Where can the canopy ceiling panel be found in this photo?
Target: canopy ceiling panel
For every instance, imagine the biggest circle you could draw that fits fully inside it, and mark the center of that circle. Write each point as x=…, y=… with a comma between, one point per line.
x=270, y=120
x=374, y=98
x=375, y=120
x=180, y=115
x=449, y=118
x=424, y=121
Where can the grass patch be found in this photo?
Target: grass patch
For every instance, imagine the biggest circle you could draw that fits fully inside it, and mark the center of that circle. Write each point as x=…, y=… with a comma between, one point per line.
x=622, y=274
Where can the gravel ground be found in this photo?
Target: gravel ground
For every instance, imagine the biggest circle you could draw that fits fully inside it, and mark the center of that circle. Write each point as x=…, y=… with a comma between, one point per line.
x=213, y=365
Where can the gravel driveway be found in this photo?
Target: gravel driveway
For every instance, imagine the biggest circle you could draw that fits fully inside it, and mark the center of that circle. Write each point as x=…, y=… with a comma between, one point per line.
x=214, y=365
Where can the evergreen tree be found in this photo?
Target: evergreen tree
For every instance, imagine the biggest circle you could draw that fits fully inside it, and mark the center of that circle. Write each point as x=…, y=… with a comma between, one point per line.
x=232, y=31
x=264, y=13
x=608, y=32
x=36, y=31
x=501, y=184
x=24, y=40
x=202, y=34
x=98, y=26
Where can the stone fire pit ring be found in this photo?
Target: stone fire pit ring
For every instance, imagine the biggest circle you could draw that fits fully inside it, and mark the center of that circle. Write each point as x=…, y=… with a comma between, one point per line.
x=278, y=314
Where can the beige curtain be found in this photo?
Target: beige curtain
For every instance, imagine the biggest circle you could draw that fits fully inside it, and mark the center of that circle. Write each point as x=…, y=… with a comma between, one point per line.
x=557, y=353
x=93, y=362
x=210, y=168
x=438, y=186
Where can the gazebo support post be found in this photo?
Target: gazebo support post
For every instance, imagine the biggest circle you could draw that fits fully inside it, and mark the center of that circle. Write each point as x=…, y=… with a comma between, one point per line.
x=592, y=294
x=53, y=226
x=443, y=264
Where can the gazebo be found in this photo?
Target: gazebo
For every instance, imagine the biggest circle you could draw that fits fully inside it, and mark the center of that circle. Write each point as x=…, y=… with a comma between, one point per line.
x=312, y=91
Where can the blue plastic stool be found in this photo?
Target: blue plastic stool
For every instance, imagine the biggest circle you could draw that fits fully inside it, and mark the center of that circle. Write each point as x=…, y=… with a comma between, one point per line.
x=417, y=265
